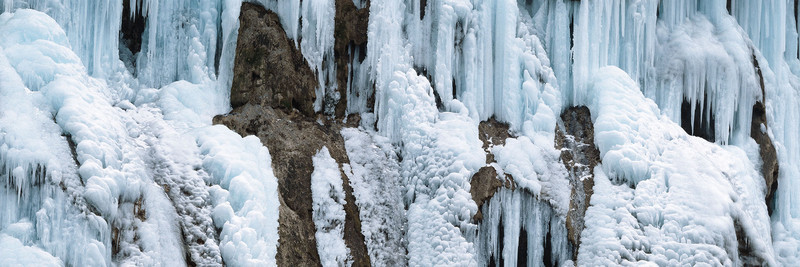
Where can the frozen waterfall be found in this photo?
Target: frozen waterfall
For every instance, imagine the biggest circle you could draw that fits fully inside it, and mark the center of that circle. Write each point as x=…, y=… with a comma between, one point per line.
x=108, y=153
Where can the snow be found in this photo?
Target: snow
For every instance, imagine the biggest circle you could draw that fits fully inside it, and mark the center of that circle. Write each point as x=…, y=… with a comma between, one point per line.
x=109, y=181
x=682, y=200
x=374, y=175
x=95, y=156
x=14, y=253
x=79, y=109
x=692, y=49
x=534, y=168
x=498, y=71
x=434, y=242
x=244, y=194
x=327, y=196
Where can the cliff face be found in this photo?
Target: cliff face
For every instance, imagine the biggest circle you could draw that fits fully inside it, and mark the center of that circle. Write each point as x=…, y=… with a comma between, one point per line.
x=580, y=157
x=399, y=132
x=273, y=97
x=269, y=70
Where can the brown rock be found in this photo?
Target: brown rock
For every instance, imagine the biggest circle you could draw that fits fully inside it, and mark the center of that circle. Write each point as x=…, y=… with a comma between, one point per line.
x=350, y=33
x=769, y=157
x=269, y=69
x=580, y=156
x=272, y=95
x=293, y=139
x=483, y=185
x=491, y=133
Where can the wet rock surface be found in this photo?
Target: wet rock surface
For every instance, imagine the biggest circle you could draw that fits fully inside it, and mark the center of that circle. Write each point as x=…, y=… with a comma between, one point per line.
x=580, y=156
x=769, y=157
x=758, y=131
x=269, y=70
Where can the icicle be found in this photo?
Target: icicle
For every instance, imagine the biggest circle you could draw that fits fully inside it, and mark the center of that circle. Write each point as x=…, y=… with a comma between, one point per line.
x=317, y=47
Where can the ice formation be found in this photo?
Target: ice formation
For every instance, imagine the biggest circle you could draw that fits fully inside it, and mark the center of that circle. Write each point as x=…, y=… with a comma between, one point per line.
x=375, y=177
x=328, y=197
x=108, y=156
x=690, y=198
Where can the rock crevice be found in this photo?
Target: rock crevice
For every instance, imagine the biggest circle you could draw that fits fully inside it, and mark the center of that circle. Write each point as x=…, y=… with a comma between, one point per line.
x=579, y=155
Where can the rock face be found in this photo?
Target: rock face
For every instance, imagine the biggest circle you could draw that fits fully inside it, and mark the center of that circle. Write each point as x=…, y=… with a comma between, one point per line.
x=485, y=183
x=268, y=69
x=769, y=157
x=292, y=140
x=350, y=33
x=580, y=156
x=272, y=96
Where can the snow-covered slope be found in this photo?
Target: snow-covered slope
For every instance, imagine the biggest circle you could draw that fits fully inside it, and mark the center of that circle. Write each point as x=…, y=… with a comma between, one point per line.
x=108, y=155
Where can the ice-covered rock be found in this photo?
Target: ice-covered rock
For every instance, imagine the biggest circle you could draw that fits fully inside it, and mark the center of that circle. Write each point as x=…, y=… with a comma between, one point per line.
x=107, y=156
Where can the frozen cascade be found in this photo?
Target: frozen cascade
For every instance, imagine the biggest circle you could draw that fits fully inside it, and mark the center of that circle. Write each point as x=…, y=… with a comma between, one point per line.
x=660, y=162
x=658, y=44
x=773, y=28
x=103, y=202
x=437, y=183
x=440, y=151
x=695, y=51
x=106, y=166
x=676, y=50
x=93, y=29
x=531, y=213
x=90, y=149
x=495, y=65
x=522, y=219
x=375, y=177
x=244, y=194
x=317, y=47
x=34, y=169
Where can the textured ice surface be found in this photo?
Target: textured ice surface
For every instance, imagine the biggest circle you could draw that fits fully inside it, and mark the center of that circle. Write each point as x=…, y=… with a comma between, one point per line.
x=15, y=253
x=374, y=174
x=94, y=156
x=682, y=200
x=107, y=182
x=327, y=195
x=317, y=47
x=244, y=195
x=110, y=167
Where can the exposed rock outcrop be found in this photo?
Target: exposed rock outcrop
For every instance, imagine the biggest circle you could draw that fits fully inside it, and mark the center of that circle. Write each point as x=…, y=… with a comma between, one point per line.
x=292, y=140
x=350, y=33
x=273, y=95
x=580, y=156
x=269, y=70
x=485, y=183
x=769, y=157
x=758, y=131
